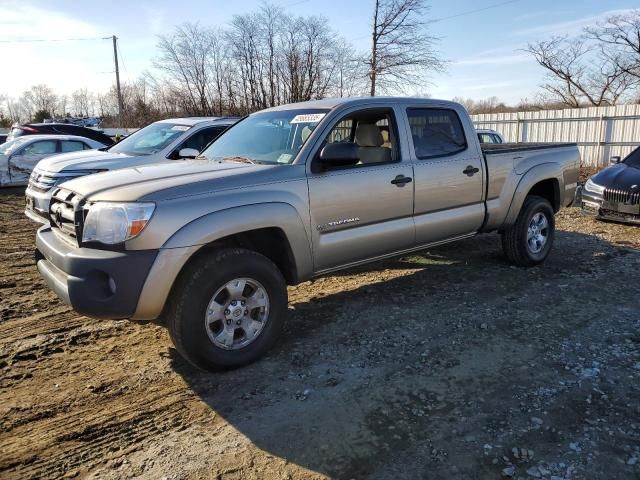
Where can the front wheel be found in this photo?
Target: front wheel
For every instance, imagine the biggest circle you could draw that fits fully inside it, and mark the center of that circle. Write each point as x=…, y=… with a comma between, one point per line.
x=528, y=241
x=227, y=309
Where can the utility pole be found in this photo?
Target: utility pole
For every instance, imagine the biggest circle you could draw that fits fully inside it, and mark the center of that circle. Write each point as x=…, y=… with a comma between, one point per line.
x=115, y=57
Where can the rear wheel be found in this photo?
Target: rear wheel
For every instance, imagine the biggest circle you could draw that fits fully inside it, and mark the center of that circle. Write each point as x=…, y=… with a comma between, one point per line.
x=529, y=240
x=227, y=309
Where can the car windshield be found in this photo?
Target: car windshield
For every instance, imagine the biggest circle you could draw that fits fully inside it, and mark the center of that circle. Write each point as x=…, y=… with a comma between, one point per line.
x=11, y=145
x=633, y=159
x=150, y=139
x=266, y=137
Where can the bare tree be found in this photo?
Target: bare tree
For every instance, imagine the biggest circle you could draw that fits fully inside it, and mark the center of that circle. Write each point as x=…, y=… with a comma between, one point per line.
x=580, y=73
x=39, y=98
x=402, y=50
x=621, y=36
x=599, y=67
x=351, y=74
x=81, y=101
x=185, y=56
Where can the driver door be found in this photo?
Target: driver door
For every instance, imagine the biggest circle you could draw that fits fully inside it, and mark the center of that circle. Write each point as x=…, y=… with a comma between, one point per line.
x=364, y=210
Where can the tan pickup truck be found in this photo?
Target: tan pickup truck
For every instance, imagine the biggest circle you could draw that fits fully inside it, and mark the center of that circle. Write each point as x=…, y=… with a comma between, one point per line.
x=290, y=193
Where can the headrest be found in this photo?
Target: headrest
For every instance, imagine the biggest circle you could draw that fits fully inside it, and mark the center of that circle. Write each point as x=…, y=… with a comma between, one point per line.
x=368, y=135
x=306, y=131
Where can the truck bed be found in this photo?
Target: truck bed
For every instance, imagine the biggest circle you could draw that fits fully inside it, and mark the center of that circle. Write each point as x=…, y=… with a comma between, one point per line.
x=489, y=148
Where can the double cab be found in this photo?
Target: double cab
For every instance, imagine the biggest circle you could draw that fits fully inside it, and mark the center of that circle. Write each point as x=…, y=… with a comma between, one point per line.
x=208, y=246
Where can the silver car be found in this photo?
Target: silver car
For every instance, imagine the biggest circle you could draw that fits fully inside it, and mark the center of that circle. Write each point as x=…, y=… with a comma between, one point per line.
x=18, y=157
x=163, y=141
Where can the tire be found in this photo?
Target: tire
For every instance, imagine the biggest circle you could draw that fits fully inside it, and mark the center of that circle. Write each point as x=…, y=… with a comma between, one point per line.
x=192, y=311
x=516, y=242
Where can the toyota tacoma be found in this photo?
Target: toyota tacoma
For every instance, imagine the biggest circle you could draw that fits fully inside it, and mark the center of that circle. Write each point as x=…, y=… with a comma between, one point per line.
x=208, y=246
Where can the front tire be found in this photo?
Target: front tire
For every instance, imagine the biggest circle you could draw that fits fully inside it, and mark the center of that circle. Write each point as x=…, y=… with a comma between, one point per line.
x=227, y=309
x=529, y=240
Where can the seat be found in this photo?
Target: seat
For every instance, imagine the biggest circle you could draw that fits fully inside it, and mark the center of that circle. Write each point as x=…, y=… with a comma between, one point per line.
x=370, y=141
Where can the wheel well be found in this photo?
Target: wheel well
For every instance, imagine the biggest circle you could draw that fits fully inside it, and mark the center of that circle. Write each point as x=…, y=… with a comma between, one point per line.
x=270, y=242
x=548, y=189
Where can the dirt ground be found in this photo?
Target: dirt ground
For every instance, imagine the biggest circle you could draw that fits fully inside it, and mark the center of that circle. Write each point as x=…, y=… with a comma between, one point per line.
x=446, y=364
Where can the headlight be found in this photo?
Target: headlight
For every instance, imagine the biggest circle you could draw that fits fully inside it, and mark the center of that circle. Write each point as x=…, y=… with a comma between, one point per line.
x=593, y=188
x=112, y=223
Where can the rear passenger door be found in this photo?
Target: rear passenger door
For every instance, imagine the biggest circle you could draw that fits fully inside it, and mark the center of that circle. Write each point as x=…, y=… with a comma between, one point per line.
x=448, y=173
x=365, y=210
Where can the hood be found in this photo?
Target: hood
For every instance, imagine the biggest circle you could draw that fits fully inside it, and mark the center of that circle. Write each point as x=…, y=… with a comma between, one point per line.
x=162, y=181
x=89, y=160
x=621, y=175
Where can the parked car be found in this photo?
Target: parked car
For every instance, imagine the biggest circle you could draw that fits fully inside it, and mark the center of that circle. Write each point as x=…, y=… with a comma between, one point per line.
x=58, y=129
x=18, y=157
x=166, y=140
x=614, y=193
x=3, y=138
x=285, y=195
x=486, y=135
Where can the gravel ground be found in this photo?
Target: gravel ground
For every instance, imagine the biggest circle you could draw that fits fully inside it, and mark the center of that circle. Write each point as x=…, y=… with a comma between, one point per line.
x=449, y=363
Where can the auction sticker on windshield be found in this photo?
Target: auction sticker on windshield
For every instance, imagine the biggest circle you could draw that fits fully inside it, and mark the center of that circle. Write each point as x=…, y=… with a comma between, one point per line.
x=308, y=118
x=180, y=128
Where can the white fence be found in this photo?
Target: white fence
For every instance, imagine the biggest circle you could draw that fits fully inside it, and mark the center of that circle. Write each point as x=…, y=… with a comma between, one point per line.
x=600, y=132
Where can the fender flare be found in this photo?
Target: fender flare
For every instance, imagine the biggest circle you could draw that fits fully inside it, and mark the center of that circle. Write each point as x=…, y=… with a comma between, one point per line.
x=223, y=223
x=539, y=173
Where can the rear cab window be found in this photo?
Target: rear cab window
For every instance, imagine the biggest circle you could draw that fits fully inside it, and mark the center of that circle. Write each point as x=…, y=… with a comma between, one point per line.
x=436, y=132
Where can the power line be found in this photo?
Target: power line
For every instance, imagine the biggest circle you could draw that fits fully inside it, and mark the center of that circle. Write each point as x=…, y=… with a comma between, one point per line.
x=468, y=12
x=32, y=40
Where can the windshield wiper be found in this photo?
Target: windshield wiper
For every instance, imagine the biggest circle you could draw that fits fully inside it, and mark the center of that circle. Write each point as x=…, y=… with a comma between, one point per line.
x=240, y=159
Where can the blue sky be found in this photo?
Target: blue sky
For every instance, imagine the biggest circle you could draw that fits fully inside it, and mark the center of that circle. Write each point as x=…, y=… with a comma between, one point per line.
x=482, y=47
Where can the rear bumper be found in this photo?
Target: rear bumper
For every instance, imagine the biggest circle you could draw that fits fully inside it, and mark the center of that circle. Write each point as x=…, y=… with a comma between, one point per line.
x=96, y=283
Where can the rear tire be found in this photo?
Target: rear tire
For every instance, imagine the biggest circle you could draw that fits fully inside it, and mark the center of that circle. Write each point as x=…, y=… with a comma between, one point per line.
x=214, y=316
x=529, y=240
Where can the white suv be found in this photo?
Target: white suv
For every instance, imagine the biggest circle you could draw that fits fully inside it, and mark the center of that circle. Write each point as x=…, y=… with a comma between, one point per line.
x=166, y=140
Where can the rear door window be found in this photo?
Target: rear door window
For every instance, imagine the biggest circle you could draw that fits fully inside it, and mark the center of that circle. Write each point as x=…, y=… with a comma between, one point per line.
x=436, y=132
x=71, y=146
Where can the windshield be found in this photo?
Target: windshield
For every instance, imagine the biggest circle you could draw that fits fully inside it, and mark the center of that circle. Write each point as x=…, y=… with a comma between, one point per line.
x=633, y=159
x=12, y=145
x=150, y=139
x=266, y=137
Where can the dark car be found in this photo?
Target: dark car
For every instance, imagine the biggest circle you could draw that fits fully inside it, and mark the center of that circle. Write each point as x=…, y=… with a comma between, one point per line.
x=59, y=129
x=614, y=193
x=3, y=138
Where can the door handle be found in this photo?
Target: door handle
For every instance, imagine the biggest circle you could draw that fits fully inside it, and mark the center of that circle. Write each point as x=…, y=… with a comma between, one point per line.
x=470, y=171
x=401, y=180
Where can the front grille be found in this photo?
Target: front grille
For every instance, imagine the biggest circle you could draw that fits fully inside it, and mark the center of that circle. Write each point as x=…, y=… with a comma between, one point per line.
x=620, y=195
x=66, y=216
x=45, y=181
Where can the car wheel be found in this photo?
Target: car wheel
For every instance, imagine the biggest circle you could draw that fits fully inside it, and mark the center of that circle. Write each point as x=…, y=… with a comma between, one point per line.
x=227, y=308
x=528, y=241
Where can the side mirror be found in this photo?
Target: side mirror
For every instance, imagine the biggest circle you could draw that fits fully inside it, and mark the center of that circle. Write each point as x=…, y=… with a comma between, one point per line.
x=614, y=160
x=188, y=153
x=339, y=154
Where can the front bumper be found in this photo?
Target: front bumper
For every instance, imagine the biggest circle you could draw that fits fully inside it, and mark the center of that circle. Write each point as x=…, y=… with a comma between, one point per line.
x=37, y=204
x=594, y=205
x=96, y=283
